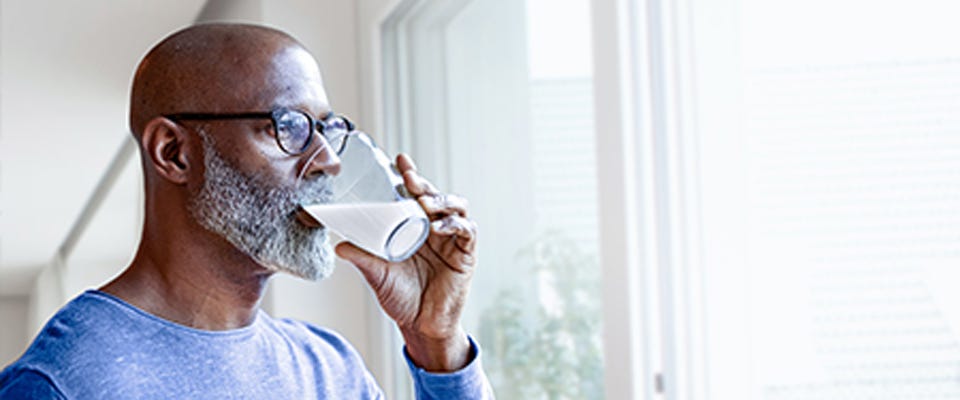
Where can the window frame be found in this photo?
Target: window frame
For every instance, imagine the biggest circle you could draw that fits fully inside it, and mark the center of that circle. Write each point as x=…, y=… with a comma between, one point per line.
x=653, y=310
x=648, y=181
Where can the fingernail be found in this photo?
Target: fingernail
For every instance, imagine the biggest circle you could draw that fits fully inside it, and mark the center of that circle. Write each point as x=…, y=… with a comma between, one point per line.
x=410, y=160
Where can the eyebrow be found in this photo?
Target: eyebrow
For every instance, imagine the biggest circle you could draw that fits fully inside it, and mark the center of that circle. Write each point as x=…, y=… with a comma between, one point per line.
x=214, y=116
x=325, y=112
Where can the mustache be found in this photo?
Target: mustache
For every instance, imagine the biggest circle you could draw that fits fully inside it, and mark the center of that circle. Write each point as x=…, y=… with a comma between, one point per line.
x=319, y=190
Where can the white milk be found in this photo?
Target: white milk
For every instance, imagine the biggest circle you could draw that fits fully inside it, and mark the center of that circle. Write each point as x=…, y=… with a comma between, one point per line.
x=393, y=230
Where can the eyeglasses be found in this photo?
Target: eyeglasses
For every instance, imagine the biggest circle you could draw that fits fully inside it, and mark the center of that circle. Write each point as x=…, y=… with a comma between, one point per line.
x=293, y=129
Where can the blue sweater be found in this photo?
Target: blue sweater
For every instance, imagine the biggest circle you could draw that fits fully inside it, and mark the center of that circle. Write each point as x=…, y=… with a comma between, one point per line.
x=100, y=347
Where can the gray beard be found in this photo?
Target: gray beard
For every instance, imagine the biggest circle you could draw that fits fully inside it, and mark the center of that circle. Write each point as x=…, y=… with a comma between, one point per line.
x=257, y=217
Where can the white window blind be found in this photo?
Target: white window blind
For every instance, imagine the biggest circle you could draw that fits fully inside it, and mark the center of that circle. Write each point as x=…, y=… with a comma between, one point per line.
x=841, y=166
x=564, y=160
x=855, y=176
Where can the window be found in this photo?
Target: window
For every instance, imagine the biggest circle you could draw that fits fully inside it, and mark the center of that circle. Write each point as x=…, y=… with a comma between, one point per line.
x=770, y=209
x=494, y=99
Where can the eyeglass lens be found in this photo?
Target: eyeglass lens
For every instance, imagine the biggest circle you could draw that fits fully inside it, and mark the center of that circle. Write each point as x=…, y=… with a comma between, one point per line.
x=295, y=131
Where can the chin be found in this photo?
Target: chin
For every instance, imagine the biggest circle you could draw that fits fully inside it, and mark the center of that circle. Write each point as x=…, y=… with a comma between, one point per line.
x=302, y=252
x=318, y=273
x=312, y=265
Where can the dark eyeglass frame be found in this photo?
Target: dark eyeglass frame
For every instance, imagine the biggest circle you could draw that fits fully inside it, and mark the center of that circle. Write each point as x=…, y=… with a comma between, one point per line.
x=320, y=126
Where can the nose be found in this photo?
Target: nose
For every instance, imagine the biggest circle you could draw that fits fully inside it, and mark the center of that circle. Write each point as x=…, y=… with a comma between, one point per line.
x=322, y=161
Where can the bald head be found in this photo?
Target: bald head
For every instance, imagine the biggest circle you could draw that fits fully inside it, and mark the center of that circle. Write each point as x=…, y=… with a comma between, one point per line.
x=211, y=68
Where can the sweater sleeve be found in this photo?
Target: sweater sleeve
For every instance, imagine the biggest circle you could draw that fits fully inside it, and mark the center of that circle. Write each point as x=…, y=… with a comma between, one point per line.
x=470, y=382
x=27, y=384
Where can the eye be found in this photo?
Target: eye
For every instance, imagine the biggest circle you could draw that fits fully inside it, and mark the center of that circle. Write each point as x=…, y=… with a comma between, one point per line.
x=335, y=129
x=336, y=125
x=269, y=128
x=293, y=131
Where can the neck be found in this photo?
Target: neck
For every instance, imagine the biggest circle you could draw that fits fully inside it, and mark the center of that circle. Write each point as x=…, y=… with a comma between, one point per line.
x=197, y=280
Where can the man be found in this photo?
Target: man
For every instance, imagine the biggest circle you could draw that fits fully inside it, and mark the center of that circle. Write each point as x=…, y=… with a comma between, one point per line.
x=224, y=172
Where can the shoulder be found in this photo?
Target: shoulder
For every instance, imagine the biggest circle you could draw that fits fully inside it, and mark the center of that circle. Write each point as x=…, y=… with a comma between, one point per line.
x=86, y=329
x=26, y=383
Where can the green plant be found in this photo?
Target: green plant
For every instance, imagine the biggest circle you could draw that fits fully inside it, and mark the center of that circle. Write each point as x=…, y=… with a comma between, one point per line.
x=547, y=344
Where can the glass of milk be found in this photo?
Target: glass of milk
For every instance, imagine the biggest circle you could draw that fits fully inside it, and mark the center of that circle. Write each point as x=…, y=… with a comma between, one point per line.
x=370, y=206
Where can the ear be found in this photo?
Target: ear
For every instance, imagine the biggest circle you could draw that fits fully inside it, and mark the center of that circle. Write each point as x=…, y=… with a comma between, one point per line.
x=166, y=144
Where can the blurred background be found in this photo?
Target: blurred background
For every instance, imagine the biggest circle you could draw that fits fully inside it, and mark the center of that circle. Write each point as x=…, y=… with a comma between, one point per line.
x=677, y=199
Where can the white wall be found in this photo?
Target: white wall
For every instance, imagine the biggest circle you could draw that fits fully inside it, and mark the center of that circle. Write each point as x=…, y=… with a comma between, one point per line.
x=12, y=308
x=65, y=69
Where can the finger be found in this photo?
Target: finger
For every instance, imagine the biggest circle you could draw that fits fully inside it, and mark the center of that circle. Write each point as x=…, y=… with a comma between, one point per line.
x=462, y=229
x=455, y=243
x=418, y=185
x=372, y=267
x=441, y=205
x=452, y=254
x=405, y=163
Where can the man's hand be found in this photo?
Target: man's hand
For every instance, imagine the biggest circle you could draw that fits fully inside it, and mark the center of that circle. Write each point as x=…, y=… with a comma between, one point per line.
x=425, y=294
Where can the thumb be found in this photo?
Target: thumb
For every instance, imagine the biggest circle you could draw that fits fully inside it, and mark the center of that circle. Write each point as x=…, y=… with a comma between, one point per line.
x=371, y=266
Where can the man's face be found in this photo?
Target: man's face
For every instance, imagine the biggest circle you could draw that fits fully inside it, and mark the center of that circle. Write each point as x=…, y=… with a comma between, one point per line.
x=257, y=216
x=251, y=188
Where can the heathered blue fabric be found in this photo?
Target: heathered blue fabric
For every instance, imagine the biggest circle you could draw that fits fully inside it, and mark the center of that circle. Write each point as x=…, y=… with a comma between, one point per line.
x=100, y=347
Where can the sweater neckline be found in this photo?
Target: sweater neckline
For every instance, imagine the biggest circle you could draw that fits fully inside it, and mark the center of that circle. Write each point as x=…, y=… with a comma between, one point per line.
x=153, y=319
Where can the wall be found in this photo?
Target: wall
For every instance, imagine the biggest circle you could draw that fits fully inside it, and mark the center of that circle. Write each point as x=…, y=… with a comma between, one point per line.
x=65, y=69
x=12, y=308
